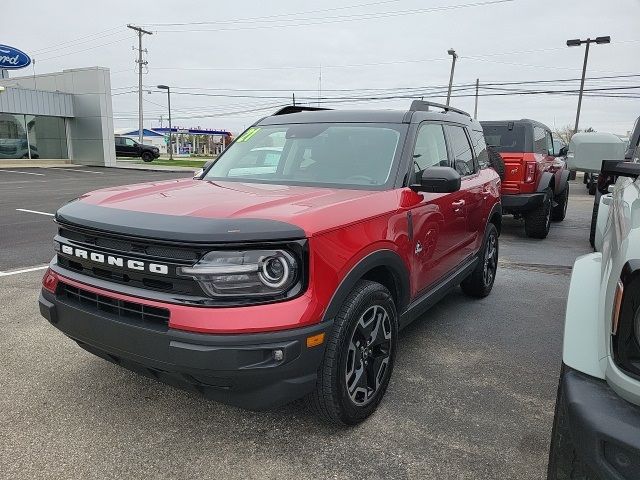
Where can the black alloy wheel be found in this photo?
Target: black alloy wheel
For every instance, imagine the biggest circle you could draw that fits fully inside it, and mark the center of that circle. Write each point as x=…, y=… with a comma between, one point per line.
x=368, y=355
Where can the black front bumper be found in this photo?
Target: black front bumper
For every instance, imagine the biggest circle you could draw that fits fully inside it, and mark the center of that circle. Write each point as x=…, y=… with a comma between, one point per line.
x=605, y=428
x=238, y=369
x=521, y=203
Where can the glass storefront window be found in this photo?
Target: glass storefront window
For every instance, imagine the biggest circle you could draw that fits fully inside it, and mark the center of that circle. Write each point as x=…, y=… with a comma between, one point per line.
x=47, y=137
x=30, y=136
x=13, y=136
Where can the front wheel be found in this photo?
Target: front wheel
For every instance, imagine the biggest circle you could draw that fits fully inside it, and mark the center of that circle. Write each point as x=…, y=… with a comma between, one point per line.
x=147, y=157
x=359, y=357
x=480, y=282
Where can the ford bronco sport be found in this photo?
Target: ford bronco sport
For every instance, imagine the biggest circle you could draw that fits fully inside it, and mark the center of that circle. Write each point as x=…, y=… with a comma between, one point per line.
x=536, y=180
x=261, y=282
x=596, y=431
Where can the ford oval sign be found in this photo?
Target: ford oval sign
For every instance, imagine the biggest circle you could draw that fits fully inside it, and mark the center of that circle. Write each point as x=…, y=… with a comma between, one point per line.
x=12, y=58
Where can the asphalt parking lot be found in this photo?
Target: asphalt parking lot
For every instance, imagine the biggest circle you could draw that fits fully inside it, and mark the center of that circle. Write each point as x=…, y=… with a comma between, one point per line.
x=471, y=396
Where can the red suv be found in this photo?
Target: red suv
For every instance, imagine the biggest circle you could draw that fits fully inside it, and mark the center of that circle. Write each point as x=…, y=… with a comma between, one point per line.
x=536, y=179
x=274, y=277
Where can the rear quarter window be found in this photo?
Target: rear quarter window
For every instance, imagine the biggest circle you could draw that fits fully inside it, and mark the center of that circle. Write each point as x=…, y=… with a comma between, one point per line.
x=480, y=147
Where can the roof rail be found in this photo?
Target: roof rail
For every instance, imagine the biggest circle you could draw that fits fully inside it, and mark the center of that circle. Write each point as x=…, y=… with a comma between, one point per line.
x=423, y=106
x=297, y=109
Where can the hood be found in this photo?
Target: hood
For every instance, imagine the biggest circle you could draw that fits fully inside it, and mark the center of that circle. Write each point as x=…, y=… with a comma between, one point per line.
x=205, y=209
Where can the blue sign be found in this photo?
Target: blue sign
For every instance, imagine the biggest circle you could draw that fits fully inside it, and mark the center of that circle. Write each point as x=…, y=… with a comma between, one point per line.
x=12, y=58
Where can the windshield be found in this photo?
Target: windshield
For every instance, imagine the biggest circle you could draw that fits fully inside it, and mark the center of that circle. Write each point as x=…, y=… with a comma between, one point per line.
x=505, y=138
x=357, y=155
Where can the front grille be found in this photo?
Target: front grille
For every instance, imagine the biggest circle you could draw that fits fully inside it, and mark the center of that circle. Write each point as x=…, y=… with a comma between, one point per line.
x=148, y=247
x=138, y=249
x=120, y=308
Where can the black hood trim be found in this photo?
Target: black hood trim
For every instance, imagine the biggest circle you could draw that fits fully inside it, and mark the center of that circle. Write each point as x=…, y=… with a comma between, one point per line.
x=175, y=228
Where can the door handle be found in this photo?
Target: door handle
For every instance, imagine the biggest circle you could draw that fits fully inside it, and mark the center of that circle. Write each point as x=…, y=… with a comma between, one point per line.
x=458, y=204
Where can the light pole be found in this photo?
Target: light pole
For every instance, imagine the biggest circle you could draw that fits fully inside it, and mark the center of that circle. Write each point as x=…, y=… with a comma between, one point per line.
x=165, y=87
x=451, y=52
x=576, y=43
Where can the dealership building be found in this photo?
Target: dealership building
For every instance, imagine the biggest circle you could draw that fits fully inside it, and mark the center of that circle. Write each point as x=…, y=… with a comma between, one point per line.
x=57, y=117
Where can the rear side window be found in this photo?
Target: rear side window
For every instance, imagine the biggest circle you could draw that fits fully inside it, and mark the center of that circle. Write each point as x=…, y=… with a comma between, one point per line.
x=509, y=137
x=431, y=148
x=480, y=147
x=462, y=153
x=539, y=140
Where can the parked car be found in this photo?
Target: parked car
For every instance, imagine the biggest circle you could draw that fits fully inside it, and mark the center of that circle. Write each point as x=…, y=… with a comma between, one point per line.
x=128, y=147
x=588, y=149
x=259, y=287
x=596, y=429
x=535, y=185
x=603, y=199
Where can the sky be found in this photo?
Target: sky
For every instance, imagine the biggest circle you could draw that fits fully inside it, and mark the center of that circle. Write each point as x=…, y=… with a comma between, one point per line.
x=230, y=63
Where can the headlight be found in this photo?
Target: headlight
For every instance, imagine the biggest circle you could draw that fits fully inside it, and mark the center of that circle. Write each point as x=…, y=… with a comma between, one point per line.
x=248, y=273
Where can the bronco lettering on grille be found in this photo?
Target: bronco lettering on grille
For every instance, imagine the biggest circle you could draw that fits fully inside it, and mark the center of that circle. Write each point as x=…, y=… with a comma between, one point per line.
x=115, y=261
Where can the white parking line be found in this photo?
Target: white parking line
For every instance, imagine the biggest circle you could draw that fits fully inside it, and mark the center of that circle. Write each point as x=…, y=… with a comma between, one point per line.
x=35, y=211
x=78, y=170
x=23, y=270
x=24, y=173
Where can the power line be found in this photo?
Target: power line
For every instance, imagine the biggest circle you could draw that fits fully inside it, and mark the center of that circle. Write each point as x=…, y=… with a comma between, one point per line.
x=337, y=19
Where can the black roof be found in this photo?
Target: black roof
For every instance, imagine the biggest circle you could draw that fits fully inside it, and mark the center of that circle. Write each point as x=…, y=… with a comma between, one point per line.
x=527, y=121
x=367, y=116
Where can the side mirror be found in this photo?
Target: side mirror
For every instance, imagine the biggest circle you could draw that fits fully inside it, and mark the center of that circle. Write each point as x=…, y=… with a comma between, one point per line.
x=620, y=168
x=563, y=152
x=438, y=180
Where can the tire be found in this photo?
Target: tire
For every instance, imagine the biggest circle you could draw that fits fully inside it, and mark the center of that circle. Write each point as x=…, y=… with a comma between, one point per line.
x=585, y=178
x=594, y=222
x=538, y=222
x=337, y=398
x=560, y=210
x=147, y=157
x=592, y=187
x=564, y=463
x=496, y=161
x=480, y=282
x=572, y=174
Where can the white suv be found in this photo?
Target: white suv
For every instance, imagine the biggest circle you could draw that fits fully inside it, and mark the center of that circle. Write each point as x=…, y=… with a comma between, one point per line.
x=596, y=431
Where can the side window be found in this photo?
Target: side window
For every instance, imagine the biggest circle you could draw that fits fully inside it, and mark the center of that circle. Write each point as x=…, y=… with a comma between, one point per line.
x=550, y=149
x=118, y=140
x=129, y=142
x=480, y=147
x=462, y=153
x=431, y=148
x=539, y=140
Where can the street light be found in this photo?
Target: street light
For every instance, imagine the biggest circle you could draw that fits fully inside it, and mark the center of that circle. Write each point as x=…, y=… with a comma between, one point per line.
x=576, y=43
x=165, y=87
x=451, y=52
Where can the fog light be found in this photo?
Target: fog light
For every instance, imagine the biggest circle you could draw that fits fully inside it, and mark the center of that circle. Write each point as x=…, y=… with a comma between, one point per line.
x=278, y=355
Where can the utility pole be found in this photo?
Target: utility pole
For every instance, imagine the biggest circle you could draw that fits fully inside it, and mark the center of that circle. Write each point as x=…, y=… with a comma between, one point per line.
x=576, y=43
x=319, y=85
x=168, y=89
x=475, y=109
x=293, y=98
x=451, y=52
x=160, y=120
x=141, y=63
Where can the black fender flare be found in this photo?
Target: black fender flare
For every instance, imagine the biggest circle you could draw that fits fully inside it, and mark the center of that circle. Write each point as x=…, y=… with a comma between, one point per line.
x=379, y=258
x=562, y=184
x=545, y=180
